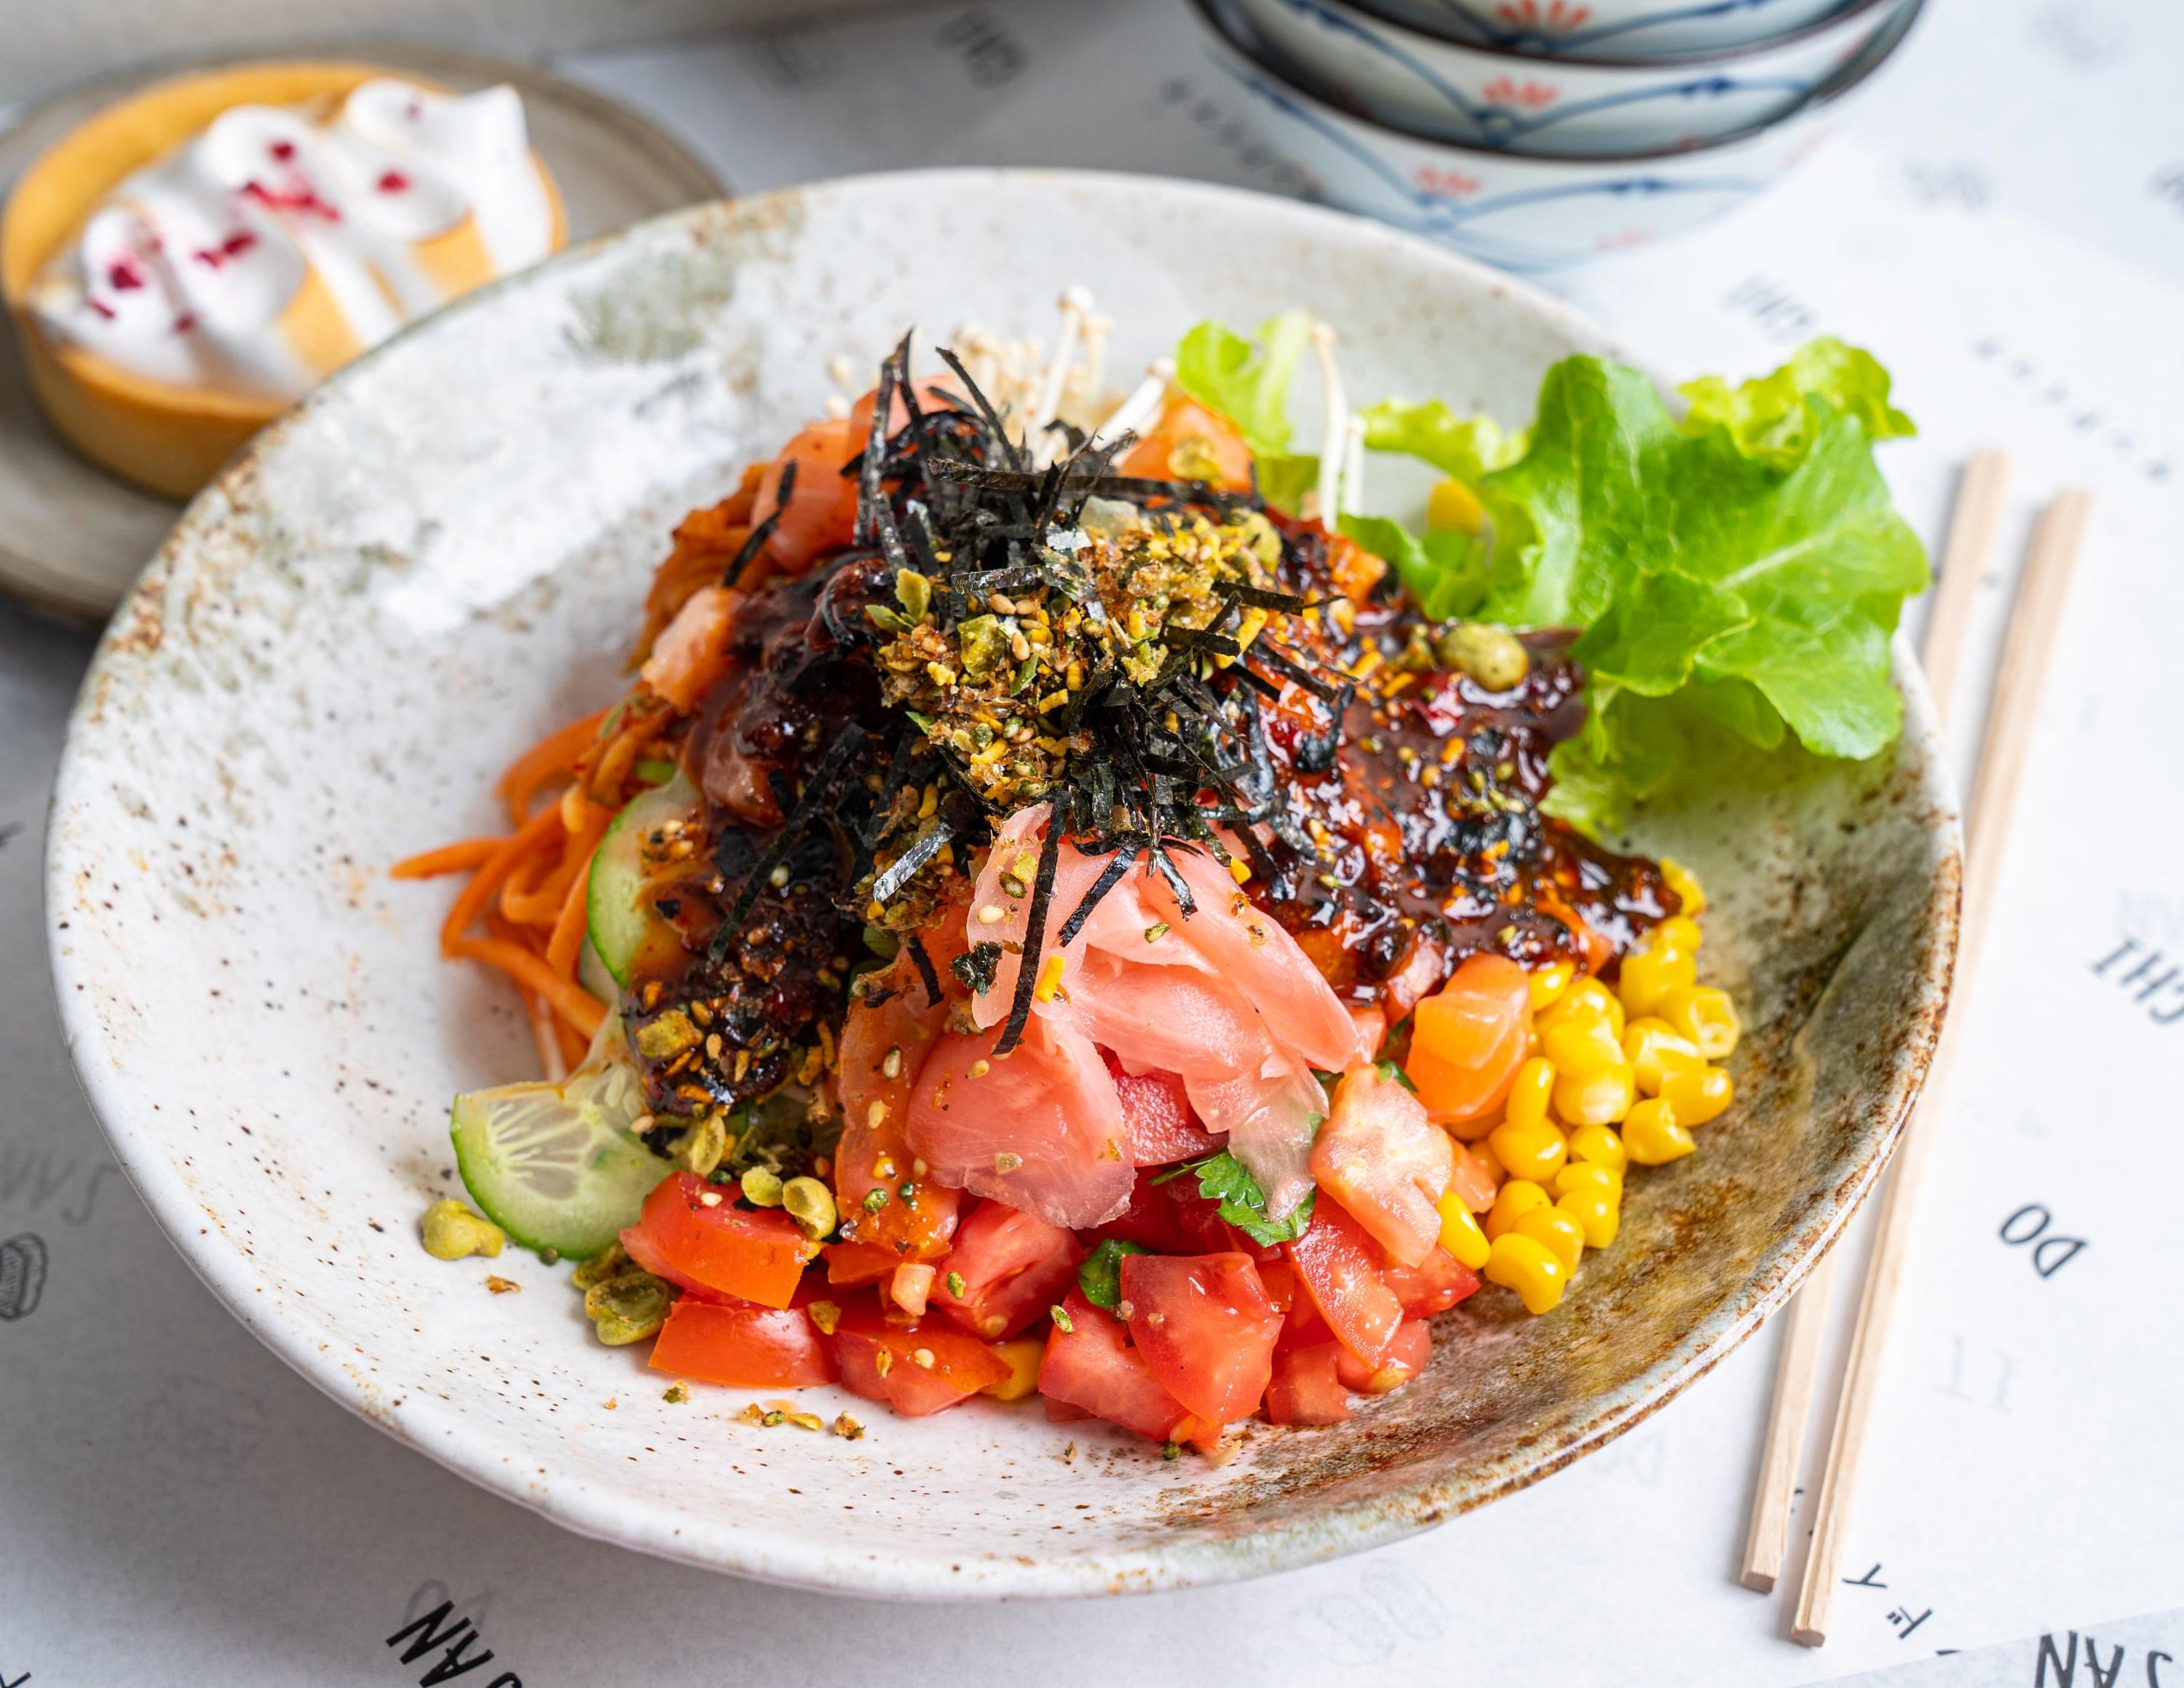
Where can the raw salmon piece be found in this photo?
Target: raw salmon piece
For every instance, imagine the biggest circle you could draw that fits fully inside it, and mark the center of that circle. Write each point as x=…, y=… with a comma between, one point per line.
x=1269, y=1120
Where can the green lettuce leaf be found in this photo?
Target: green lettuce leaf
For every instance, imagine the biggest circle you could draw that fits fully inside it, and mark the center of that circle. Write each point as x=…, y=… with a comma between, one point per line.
x=1767, y=416
x=1464, y=447
x=1249, y=384
x=1445, y=571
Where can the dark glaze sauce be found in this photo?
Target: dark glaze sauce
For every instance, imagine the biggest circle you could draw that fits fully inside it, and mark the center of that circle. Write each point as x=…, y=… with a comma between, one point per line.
x=1425, y=807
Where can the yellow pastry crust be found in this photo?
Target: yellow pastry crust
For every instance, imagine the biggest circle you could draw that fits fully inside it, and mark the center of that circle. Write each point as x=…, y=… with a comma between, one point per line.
x=167, y=438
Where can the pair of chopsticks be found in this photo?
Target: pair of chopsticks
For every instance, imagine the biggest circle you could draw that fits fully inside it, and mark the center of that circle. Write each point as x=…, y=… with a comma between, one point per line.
x=2035, y=615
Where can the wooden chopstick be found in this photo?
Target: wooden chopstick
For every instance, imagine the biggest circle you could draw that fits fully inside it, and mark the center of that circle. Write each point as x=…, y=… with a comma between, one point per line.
x=1980, y=493
x=2042, y=590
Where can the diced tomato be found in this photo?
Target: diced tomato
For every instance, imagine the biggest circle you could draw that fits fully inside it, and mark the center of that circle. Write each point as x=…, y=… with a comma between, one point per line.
x=881, y=1361
x=1012, y=1267
x=1371, y=1022
x=647, y=1253
x=1156, y=1108
x=851, y=1263
x=1205, y=1328
x=1468, y=1039
x=1092, y=1366
x=893, y=1018
x=1278, y=1278
x=1385, y=1162
x=1405, y=1358
x=1168, y=1215
x=1338, y=1267
x=1434, y=1287
x=749, y=1347
x=909, y=1286
x=1302, y=1326
x=1306, y=1386
x=757, y=1256
x=1468, y=1177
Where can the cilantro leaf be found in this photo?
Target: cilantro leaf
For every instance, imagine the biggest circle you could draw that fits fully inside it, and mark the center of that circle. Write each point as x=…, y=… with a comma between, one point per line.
x=1223, y=1178
x=1100, y=1274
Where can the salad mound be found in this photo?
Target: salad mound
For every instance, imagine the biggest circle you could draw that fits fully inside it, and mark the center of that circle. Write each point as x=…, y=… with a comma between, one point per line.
x=1073, y=903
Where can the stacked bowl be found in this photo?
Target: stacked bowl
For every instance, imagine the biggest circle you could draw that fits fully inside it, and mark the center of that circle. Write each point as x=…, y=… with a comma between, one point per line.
x=1539, y=134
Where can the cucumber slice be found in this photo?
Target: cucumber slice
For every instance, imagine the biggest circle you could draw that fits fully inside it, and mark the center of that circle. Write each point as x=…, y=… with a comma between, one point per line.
x=592, y=972
x=554, y=1165
x=618, y=912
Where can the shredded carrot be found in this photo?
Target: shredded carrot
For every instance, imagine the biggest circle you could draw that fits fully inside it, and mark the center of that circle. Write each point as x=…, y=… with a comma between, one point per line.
x=449, y=859
x=538, y=900
x=574, y=1004
x=546, y=1033
x=471, y=901
x=573, y=1047
x=567, y=941
x=556, y=753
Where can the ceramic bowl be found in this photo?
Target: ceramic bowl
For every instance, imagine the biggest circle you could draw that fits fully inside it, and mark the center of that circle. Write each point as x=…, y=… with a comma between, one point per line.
x=1520, y=211
x=1609, y=29
x=1489, y=96
x=444, y=551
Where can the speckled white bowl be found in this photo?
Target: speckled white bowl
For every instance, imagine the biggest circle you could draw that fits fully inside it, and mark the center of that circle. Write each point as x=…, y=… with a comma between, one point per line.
x=1551, y=107
x=443, y=552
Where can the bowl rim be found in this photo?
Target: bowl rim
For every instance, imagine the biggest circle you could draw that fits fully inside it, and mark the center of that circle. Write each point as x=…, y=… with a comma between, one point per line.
x=587, y=1507
x=1846, y=80
x=1378, y=10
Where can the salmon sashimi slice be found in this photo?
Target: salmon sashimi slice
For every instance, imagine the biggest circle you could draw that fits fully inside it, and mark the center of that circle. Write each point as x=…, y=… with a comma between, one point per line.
x=887, y=1037
x=1169, y=1018
x=1041, y=1129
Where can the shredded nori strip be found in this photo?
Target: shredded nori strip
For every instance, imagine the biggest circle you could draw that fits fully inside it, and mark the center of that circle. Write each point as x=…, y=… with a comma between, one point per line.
x=985, y=409
x=905, y=867
x=817, y=791
x=923, y=963
x=755, y=541
x=976, y=966
x=869, y=469
x=1296, y=671
x=1042, y=894
x=1110, y=877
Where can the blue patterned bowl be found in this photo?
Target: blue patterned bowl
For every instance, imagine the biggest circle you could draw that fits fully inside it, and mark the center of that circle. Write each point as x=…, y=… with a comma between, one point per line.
x=1355, y=58
x=1609, y=29
x=1521, y=211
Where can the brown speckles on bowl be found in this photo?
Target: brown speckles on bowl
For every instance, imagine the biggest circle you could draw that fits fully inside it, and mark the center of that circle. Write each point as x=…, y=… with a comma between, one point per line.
x=443, y=552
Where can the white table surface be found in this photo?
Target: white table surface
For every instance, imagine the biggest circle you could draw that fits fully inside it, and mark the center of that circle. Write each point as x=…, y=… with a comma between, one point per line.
x=2003, y=224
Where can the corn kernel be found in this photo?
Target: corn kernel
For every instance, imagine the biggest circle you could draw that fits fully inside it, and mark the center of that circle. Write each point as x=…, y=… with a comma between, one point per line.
x=1597, y=1213
x=1022, y=1355
x=1460, y=1234
x=1535, y=1151
x=1585, y=1175
x=1472, y=1132
x=1532, y=1044
x=1678, y=878
x=1598, y=1146
x=1548, y=983
x=1489, y=1162
x=1647, y=1043
x=1529, y=1266
x=1556, y=1229
x=1529, y=1093
x=1680, y=931
x=1599, y=1098
x=1700, y=1094
x=1578, y=1048
x=1517, y=1196
x=1452, y=508
x=1652, y=1137
x=1587, y=999
x=1653, y=973
x=1706, y=1016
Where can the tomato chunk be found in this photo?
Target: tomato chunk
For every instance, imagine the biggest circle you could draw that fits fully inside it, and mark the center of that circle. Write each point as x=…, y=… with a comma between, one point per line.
x=1385, y=1162
x=917, y=1371
x=853, y=1263
x=1432, y=1286
x=1011, y=1267
x=1405, y=1358
x=749, y=1347
x=1091, y=1365
x=716, y=1244
x=1467, y=1040
x=1306, y=1386
x=1156, y=1108
x=893, y=1023
x=1337, y=1268
x=1205, y=1328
